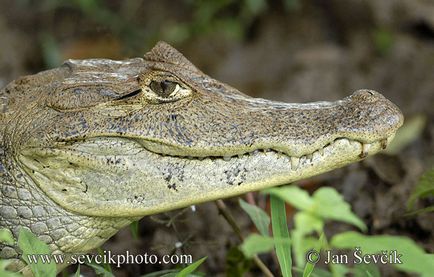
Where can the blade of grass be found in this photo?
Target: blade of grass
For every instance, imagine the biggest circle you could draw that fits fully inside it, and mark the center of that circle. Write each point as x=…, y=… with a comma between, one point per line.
x=224, y=211
x=134, y=227
x=309, y=267
x=100, y=270
x=77, y=273
x=280, y=231
x=106, y=266
x=189, y=269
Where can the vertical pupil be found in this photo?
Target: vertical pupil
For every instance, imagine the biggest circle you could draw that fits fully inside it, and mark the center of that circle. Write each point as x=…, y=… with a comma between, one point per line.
x=163, y=88
x=165, y=85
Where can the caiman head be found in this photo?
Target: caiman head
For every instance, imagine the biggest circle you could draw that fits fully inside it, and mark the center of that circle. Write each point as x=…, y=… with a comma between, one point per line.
x=142, y=136
x=106, y=138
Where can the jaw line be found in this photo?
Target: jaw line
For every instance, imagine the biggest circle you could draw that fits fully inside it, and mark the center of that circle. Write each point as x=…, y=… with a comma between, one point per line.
x=167, y=150
x=265, y=169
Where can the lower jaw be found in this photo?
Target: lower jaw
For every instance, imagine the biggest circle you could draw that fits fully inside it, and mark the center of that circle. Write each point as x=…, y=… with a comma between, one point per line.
x=145, y=183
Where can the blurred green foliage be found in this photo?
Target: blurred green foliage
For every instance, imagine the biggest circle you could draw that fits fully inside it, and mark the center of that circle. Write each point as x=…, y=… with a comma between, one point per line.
x=236, y=262
x=31, y=245
x=424, y=190
x=126, y=21
x=308, y=233
x=383, y=40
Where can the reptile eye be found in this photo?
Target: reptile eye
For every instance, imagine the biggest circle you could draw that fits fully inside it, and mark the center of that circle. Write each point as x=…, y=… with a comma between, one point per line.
x=164, y=88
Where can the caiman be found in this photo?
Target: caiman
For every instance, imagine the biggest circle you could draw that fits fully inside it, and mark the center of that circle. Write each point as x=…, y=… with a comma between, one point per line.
x=95, y=144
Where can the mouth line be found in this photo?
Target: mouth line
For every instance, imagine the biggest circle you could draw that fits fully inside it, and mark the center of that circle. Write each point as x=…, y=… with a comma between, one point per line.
x=363, y=154
x=85, y=166
x=309, y=157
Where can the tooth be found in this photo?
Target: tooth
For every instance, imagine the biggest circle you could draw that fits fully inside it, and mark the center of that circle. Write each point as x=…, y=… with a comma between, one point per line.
x=365, y=150
x=294, y=163
x=227, y=158
x=321, y=151
x=316, y=155
x=255, y=152
x=309, y=158
x=383, y=143
x=345, y=141
x=355, y=143
x=240, y=156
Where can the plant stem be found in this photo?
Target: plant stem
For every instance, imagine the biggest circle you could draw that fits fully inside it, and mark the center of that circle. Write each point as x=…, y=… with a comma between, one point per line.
x=224, y=211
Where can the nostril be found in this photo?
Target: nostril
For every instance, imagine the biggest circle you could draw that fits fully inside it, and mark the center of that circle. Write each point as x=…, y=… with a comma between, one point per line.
x=366, y=95
x=366, y=92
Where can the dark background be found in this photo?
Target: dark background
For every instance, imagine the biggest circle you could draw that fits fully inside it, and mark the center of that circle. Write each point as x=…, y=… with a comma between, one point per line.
x=287, y=50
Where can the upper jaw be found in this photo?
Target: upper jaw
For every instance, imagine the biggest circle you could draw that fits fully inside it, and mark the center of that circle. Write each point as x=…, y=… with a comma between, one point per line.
x=93, y=176
x=92, y=145
x=295, y=150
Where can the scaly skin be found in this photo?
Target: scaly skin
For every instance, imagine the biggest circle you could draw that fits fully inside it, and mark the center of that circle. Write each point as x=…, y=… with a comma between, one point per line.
x=89, y=147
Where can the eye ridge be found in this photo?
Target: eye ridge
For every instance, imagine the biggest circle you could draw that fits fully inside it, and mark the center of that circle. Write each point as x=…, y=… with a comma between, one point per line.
x=163, y=88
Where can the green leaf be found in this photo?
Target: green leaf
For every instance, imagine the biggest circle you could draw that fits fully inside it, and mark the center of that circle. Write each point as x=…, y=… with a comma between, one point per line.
x=6, y=273
x=258, y=216
x=255, y=244
x=134, y=227
x=306, y=223
x=100, y=270
x=77, y=273
x=31, y=245
x=237, y=263
x=424, y=188
x=319, y=272
x=362, y=270
x=6, y=236
x=422, y=211
x=409, y=132
x=309, y=267
x=280, y=232
x=50, y=50
x=256, y=6
x=383, y=40
x=106, y=266
x=300, y=245
x=325, y=203
x=189, y=269
x=339, y=270
x=413, y=258
x=176, y=33
x=329, y=204
x=293, y=195
x=160, y=273
x=291, y=4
